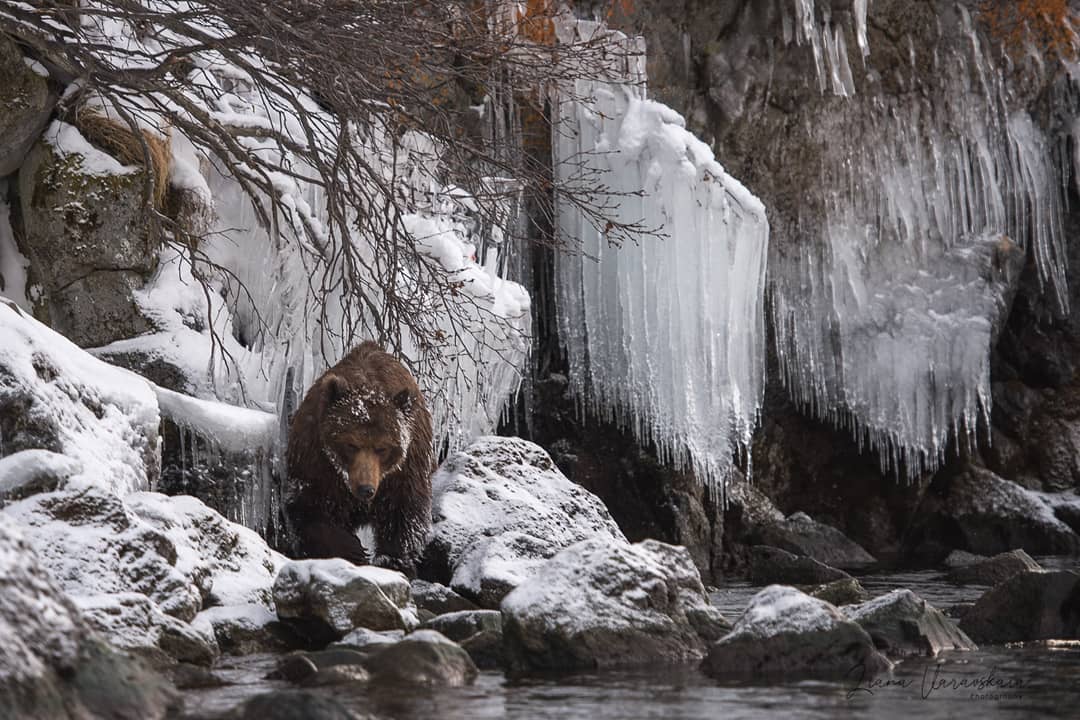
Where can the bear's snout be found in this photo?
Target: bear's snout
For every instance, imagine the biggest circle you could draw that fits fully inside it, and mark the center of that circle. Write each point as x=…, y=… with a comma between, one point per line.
x=365, y=472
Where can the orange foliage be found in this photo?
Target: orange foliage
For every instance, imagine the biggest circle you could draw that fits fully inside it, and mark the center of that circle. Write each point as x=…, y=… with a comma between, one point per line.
x=1047, y=25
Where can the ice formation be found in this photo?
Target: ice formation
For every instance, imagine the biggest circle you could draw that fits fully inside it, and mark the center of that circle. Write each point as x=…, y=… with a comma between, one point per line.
x=899, y=271
x=664, y=334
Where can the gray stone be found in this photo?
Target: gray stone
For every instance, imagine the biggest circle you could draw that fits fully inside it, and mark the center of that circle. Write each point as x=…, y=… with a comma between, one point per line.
x=248, y=629
x=991, y=571
x=25, y=104
x=53, y=666
x=789, y=634
x=329, y=598
x=901, y=623
x=439, y=599
x=772, y=565
x=459, y=625
x=1031, y=605
x=599, y=604
x=839, y=592
x=368, y=641
x=292, y=705
x=486, y=649
x=501, y=508
x=801, y=535
x=424, y=658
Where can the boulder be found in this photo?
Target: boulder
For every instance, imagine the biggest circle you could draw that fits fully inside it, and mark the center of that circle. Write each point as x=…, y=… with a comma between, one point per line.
x=901, y=623
x=991, y=571
x=424, y=658
x=328, y=598
x=500, y=509
x=773, y=565
x=368, y=641
x=133, y=622
x=439, y=599
x=26, y=100
x=52, y=664
x=87, y=237
x=293, y=704
x=839, y=592
x=55, y=397
x=486, y=649
x=785, y=632
x=247, y=629
x=466, y=623
x=1031, y=605
x=978, y=511
x=801, y=535
x=29, y=472
x=599, y=604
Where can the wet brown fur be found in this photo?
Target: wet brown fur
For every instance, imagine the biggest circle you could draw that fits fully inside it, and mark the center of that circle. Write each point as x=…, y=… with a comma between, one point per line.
x=351, y=420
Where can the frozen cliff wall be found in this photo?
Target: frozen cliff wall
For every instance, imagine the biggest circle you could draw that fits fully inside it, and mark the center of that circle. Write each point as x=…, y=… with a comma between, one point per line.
x=664, y=330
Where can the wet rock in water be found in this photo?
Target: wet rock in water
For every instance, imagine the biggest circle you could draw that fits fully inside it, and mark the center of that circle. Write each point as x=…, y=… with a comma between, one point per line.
x=991, y=571
x=248, y=629
x=439, y=599
x=292, y=705
x=500, y=509
x=901, y=623
x=773, y=565
x=486, y=649
x=302, y=668
x=460, y=625
x=599, y=604
x=52, y=664
x=186, y=676
x=978, y=511
x=424, y=658
x=962, y=558
x=369, y=641
x=785, y=632
x=324, y=599
x=801, y=535
x=839, y=592
x=1031, y=605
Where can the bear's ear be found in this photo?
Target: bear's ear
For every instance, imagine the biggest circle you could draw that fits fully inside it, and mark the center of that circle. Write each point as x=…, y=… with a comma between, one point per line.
x=404, y=401
x=334, y=388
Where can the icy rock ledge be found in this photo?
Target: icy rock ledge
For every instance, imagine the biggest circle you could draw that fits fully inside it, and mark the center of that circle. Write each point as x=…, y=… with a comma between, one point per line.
x=603, y=604
x=785, y=632
x=500, y=509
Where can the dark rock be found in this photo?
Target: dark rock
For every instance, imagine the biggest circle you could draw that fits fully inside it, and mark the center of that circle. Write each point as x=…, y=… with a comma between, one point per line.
x=801, y=535
x=600, y=604
x=901, y=623
x=294, y=668
x=772, y=565
x=186, y=676
x=248, y=629
x=338, y=675
x=789, y=634
x=962, y=558
x=26, y=100
x=839, y=592
x=486, y=649
x=991, y=571
x=460, y=625
x=1030, y=605
x=293, y=705
x=439, y=599
x=423, y=659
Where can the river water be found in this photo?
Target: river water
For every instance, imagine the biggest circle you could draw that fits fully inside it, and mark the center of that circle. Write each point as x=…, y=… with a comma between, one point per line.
x=1022, y=681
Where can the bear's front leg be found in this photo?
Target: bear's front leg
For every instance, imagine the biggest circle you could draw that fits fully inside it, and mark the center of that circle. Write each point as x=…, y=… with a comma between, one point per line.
x=400, y=521
x=323, y=540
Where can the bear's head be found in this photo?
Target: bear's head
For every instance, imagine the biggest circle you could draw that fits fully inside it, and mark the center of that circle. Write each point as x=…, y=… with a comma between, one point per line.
x=365, y=432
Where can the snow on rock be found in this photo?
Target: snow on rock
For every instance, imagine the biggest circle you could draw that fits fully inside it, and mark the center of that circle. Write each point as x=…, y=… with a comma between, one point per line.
x=52, y=664
x=13, y=264
x=32, y=471
x=500, y=508
x=134, y=622
x=786, y=632
x=56, y=397
x=245, y=629
x=902, y=623
x=602, y=603
x=664, y=332
x=329, y=598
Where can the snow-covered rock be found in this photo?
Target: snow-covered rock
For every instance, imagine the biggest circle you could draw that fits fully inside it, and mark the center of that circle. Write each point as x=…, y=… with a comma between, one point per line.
x=786, y=632
x=1031, y=605
x=52, y=664
x=902, y=623
x=601, y=603
x=55, y=397
x=246, y=629
x=438, y=599
x=329, y=598
x=802, y=535
x=133, y=622
x=28, y=472
x=500, y=509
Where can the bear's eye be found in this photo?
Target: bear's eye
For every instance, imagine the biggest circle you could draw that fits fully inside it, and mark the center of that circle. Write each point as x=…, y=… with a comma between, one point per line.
x=382, y=452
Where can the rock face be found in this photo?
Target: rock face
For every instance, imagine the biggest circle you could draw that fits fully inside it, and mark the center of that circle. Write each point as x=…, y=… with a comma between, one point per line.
x=25, y=103
x=500, y=509
x=991, y=571
x=786, y=632
x=801, y=535
x=57, y=398
x=1031, y=605
x=978, y=511
x=600, y=604
x=325, y=599
x=52, y=665
x=86, y=236
x=772, y=565
x=901, y=623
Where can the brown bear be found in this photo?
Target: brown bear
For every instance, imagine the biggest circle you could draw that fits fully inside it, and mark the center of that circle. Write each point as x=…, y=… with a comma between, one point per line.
x=360, y=453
